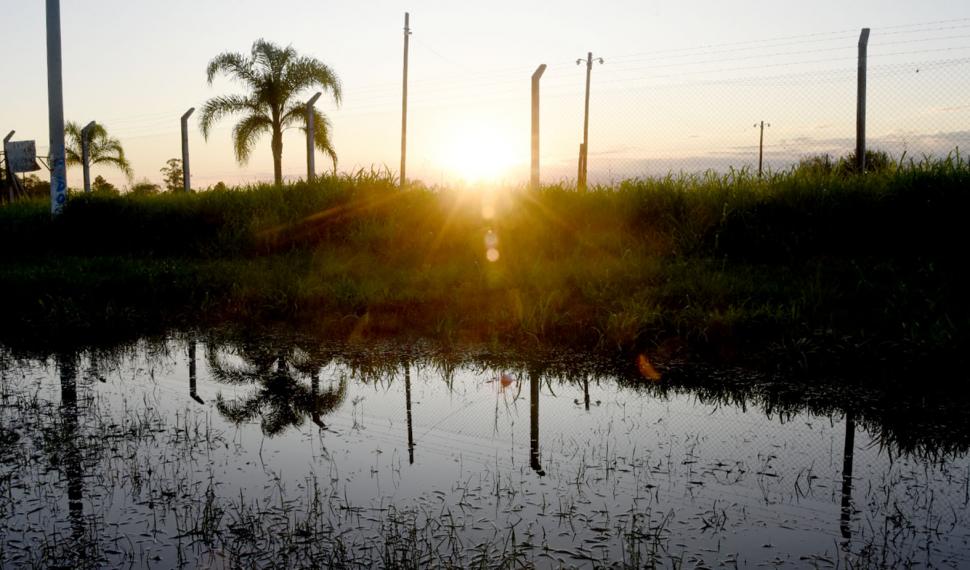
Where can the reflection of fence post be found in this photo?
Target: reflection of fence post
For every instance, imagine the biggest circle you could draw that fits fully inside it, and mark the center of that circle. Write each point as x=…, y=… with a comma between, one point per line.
x=534, y=177
x=848, y=451
x=193, y=391
x=85, y=154
x=860, y=104
x=311, y=169
x=407, y=395
x=55, y=108
x=534, y=423
x=186, y=182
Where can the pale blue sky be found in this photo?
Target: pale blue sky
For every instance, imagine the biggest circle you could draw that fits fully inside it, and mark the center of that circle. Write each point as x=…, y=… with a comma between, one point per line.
x=136, y=66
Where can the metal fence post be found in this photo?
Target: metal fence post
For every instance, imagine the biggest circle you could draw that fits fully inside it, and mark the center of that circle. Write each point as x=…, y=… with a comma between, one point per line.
x=534, y=177
x=85, y=154
x=311, y=170
x=186, y=178
x=860, y=104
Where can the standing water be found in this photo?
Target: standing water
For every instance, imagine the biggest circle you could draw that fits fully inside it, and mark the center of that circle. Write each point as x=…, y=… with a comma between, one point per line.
x=291, y=453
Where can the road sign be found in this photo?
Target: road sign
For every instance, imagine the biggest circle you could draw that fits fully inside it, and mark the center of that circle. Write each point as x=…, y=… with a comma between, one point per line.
x=21, y=156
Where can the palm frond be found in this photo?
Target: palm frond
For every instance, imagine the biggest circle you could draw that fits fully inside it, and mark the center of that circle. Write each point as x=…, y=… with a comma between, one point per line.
x=247, y=132
x=219, y=107
x=308, y=72
x=232, y=64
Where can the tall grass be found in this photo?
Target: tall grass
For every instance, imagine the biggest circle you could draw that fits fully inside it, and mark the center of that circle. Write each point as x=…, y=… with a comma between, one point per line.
x=816, y=259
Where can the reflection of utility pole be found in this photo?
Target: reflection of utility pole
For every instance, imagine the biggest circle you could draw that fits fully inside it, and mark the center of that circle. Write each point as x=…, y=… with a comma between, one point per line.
x=847, y=453
x=192, y=386
x=407, y=396
x=584, y=150
x=73, y=469
x=761, y=145
x=404, y=102
x=534, y=381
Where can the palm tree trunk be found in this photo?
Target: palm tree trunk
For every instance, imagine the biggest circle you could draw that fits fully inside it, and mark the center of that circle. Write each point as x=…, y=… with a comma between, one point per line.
x=278, y=156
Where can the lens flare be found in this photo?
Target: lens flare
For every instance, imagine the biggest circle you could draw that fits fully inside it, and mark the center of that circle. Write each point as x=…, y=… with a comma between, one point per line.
x=646, y=368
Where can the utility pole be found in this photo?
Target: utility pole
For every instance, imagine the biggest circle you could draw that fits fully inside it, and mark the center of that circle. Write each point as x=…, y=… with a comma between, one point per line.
x=860, y=104
x=534, y=177
x=404, y=102
x=85, y=154
x=584, y=153
x=55, y=108
x=186, y=183
x=311, y=170
x=761, y=146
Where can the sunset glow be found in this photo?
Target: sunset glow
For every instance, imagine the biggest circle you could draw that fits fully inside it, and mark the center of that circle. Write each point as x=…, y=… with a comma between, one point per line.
x=475, y=152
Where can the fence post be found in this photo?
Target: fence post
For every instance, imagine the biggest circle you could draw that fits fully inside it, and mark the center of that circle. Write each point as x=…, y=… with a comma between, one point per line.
x=186, y=178
x=860, y=104
x=534, y=178
x=85, y=154
x=55, y=108
x=311, y=170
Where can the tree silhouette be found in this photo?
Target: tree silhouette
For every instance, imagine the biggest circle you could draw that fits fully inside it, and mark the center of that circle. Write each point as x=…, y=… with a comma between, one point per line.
x=102, y=149
x=275, y=76
x=172, y=174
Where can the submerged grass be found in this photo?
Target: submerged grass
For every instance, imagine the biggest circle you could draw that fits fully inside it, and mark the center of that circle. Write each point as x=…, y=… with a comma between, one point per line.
x=805, y=268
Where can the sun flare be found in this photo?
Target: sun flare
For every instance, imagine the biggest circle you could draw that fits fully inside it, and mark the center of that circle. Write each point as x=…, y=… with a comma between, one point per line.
x=476, y=153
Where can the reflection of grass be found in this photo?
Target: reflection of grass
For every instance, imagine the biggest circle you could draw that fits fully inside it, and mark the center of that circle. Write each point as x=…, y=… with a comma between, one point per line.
x=807, y=267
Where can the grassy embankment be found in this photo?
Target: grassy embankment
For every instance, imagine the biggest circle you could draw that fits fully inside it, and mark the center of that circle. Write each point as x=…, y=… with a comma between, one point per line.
x=807, y=268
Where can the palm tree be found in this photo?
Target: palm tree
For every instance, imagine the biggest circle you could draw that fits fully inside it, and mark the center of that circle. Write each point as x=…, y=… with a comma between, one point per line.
x=275, y=76
x=102, y=149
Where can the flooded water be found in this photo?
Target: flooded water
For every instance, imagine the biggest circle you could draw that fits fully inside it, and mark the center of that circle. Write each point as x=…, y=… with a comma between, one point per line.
x=290, y=453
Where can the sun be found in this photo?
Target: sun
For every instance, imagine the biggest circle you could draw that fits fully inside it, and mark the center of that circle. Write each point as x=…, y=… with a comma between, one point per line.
x=475, y=153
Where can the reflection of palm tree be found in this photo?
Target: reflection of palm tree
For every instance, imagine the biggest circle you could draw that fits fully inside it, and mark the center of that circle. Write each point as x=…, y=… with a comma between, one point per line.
x=102, y=149
x=275, y=76
x=281, y=400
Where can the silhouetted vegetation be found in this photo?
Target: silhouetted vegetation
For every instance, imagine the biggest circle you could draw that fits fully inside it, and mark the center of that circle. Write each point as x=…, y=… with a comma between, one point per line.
x=275, y=76
x=807, y=269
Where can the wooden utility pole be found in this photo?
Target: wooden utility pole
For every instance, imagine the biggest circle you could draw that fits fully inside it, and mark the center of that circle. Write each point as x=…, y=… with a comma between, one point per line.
x=860, y=104
x=186, y=175
x=761, y=146
x=404, y=102
x=585, y=147
x=534, y=178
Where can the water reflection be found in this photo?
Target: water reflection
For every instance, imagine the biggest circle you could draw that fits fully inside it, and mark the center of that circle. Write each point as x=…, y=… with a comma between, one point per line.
x=281, y=400
x=193, y=388
x=534, y=424
x=848, y=452
x=71, y=454
x=407, y=395
x=697, y=467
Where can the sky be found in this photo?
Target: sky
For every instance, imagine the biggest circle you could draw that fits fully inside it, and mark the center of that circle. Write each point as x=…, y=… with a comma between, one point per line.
x=681, y=87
